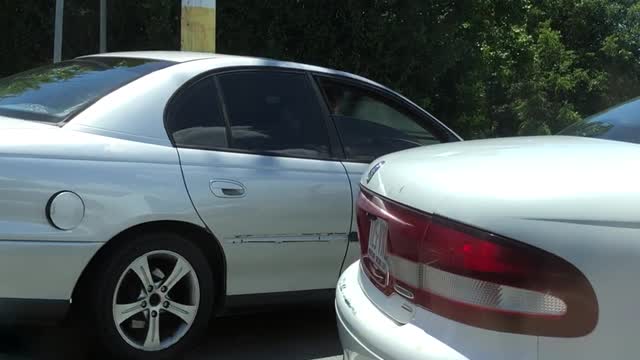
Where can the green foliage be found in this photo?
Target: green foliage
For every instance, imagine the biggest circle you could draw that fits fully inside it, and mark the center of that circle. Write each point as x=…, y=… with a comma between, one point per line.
x=26, y=34
x=485, y=67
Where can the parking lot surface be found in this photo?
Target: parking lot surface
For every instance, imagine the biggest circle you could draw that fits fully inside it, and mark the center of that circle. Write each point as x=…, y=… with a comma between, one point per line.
x=300, y=333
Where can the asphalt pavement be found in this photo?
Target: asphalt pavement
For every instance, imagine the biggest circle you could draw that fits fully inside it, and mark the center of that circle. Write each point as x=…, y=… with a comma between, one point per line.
x=295, y=333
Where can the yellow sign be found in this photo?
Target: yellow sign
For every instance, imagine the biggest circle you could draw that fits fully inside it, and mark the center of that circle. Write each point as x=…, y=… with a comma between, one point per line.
x=198, y=25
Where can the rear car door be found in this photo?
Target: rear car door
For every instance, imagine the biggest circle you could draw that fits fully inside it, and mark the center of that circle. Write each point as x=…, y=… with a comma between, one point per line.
x=372, y=122
x=258, y=165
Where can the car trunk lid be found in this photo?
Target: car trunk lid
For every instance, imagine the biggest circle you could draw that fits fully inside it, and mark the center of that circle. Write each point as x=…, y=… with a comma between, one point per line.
x=477, y=183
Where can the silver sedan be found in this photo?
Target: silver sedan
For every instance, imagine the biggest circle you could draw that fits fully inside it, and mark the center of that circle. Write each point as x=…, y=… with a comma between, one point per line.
x=516, y=248
x=156, y=189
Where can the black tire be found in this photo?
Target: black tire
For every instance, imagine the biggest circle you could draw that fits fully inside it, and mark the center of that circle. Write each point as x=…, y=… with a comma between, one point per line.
x=104, y=285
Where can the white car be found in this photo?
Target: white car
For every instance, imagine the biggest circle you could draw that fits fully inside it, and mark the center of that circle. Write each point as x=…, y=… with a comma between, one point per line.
x=515, y=248
x=156, y=188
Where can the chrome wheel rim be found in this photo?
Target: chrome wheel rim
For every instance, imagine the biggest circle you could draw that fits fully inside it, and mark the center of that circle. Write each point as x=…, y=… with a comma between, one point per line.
x=156, y=300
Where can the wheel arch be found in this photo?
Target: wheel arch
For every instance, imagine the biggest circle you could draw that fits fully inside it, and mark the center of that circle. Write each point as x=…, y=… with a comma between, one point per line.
x=199, y=235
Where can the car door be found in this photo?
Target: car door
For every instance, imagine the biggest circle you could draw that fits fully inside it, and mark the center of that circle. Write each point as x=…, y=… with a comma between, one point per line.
x=258, y=165
x=372, y=122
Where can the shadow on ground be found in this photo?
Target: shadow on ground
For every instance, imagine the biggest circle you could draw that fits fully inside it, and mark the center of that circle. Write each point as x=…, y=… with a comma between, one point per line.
x=297, y=333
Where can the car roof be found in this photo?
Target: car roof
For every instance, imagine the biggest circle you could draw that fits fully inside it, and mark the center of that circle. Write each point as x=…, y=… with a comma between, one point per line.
x=225, y=60
x=173, y=56
x=202, y=61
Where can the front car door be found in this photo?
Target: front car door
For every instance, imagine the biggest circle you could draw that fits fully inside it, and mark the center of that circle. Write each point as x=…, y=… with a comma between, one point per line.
x=371, y=122
x=258, y=165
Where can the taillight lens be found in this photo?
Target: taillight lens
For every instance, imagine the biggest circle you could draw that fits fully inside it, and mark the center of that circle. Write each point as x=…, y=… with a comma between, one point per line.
x=474, y=276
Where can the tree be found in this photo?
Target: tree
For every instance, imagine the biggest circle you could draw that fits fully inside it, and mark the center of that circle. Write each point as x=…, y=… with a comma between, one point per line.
x=485, y=67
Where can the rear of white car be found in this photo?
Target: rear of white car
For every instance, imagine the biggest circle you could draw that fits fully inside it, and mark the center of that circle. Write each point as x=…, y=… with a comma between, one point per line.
x=522, y=248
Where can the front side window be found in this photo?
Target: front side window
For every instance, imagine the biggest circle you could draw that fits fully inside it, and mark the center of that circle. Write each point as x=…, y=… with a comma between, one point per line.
x=56, y=92
x=371, y=125
x=274, y=113
x=195, y=117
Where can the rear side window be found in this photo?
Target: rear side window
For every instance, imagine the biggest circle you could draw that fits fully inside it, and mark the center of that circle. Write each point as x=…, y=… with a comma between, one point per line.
x=371, y=125
x=54, y=93
x=195, y=117
x=275, y=113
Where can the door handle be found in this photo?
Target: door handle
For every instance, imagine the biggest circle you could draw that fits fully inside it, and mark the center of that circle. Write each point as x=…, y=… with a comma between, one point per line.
x=227, y=188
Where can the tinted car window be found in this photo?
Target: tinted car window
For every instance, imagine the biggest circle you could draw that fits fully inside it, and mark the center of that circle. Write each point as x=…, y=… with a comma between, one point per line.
x=371, y=125
x=195, y=117
x=621, y=122
x=274, y=112
x=54, y=93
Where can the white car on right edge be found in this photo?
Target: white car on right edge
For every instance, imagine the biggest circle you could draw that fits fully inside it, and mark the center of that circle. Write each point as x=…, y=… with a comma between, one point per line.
x=514, y=248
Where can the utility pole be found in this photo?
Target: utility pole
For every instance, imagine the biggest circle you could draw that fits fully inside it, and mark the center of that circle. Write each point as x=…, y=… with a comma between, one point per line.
x=57, y=32
x=103, y=26
x=198, y=25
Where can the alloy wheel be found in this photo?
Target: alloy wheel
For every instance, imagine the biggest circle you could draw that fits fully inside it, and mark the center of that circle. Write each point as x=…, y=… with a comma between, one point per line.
x=156, y=300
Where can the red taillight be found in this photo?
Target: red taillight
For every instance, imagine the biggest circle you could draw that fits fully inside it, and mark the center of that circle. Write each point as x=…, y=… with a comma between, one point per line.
x=473, y=276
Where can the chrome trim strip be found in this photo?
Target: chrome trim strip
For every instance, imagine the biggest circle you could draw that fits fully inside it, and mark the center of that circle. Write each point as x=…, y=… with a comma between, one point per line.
x=294, y=238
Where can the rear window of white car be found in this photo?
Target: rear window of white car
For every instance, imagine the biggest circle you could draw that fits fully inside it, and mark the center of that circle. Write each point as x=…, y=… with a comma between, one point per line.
x=55, y=93
x=620, y=123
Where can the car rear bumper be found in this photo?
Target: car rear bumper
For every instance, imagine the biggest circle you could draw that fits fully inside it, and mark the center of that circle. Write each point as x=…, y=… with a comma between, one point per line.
x=366, y=333
x=37, y=278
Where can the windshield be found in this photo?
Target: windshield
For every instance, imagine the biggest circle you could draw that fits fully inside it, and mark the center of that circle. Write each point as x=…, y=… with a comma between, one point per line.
x=55, y=93
x=621, y=122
